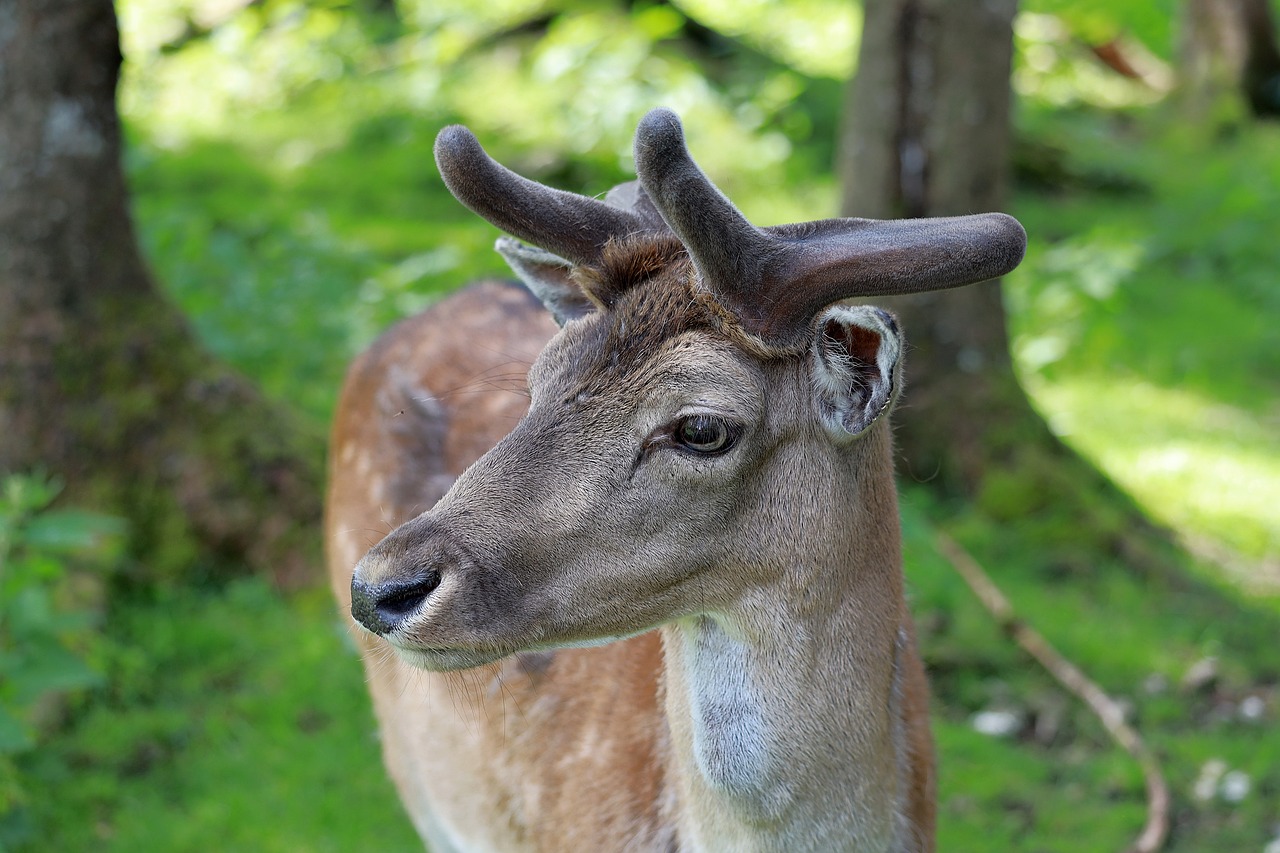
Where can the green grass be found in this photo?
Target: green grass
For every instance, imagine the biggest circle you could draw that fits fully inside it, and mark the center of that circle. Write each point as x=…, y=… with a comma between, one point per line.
x=288, y=272
x=1205, y=468
x=238, y=715
x=1145, y=330
x=233, y=719
x=1061, y=784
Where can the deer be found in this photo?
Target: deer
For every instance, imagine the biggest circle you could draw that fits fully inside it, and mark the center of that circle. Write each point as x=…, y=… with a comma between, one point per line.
x=643, y=584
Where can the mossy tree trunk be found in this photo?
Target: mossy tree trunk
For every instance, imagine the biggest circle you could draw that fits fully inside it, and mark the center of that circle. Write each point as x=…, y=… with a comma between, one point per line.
x=102, y=382
x=928, y=134
x=1229, y=47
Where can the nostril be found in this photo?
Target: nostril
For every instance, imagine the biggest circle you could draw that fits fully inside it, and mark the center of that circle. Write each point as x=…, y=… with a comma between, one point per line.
x=394, y=603
x=383, y=607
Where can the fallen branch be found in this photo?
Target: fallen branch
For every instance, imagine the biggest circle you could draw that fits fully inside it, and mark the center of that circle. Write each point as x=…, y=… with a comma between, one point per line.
x=1069, y=676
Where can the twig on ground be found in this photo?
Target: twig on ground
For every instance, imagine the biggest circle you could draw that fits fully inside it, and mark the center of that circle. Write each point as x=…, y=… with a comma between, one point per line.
x=1069, y=676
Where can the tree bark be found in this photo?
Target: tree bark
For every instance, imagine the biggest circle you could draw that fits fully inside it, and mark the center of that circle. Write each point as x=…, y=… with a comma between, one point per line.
x=1229, y=46
x=102, y=382
x=927, y=134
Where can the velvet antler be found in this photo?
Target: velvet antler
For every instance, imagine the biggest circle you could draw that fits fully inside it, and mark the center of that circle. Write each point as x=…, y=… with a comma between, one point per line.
x=573, y=226
x=775, y=280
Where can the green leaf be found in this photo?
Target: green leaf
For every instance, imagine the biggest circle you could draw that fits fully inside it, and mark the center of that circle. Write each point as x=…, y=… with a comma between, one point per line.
x=24, y=493
x=71, y=530
x=14, y=736
x=28, y=613
x=51, y=670
x=29, y=570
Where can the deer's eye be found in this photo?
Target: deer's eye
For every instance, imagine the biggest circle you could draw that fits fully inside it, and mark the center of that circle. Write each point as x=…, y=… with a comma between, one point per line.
x=705, y=434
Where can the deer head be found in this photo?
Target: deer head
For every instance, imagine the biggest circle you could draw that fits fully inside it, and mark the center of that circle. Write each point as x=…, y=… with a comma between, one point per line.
x=709, y=413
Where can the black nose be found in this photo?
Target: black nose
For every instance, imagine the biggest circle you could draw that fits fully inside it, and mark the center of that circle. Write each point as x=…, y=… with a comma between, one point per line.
x=382, y=608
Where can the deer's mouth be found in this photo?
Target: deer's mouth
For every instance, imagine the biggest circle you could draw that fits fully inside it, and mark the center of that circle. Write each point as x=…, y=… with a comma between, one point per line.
x=445, y=660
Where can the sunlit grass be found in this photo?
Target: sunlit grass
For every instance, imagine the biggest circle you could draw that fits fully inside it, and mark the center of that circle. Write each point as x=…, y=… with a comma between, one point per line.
x=1143, y=324
x=1200, y=466
x=819, y=37
x=1062, y=784
x=233, y=719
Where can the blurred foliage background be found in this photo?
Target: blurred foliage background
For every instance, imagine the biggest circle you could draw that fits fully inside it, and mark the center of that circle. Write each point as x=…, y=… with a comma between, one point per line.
x=279, y=157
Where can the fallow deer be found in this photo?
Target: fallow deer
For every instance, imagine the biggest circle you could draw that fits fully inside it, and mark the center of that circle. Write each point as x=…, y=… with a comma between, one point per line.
x=657, y=603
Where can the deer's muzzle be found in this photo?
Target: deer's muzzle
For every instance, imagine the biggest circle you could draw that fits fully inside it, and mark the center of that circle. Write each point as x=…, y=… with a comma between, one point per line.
x=395, y=580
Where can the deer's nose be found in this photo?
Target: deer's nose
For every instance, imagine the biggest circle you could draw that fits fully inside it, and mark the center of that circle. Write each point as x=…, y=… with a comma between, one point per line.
x=385, y=606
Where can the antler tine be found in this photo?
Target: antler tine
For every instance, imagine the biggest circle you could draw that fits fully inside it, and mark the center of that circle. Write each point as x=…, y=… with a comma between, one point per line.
x=573, y=226
x=775, y=280
x=726, y=249
x=824, y=262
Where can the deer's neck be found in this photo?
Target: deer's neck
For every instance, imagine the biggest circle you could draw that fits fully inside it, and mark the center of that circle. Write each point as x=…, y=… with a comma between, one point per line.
x=785, y=709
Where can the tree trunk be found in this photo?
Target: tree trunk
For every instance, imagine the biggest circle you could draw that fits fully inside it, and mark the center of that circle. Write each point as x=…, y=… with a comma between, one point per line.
x=102, y=383
x=1229, y=46
x=927, y=134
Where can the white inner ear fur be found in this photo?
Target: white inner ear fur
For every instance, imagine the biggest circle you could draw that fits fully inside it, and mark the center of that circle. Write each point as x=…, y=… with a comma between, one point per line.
x=855, y=391
x=547, y=276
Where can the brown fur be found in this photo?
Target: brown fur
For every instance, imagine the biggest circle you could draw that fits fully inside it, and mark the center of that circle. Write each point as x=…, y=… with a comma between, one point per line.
x=627, y=262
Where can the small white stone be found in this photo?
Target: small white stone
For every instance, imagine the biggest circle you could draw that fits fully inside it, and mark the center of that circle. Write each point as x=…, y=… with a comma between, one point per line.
x=1235, y=786
x=1207, y=782
x=1155, y=684
x=1201, y=675
x=996, y=723
x=1252, y=708
x=1273, y=846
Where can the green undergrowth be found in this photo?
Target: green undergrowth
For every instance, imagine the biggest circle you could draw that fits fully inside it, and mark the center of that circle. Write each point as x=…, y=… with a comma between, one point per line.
x=53, y=565
x=1056, y=781
x=288, y=272
x=230, y=719
x=1143, y=321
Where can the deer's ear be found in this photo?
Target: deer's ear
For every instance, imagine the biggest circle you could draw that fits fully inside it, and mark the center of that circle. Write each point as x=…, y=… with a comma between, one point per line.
x=856, y=365
x=548, y=277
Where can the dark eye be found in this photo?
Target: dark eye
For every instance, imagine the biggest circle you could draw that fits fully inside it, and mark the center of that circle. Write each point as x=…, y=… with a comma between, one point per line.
x=704, y=434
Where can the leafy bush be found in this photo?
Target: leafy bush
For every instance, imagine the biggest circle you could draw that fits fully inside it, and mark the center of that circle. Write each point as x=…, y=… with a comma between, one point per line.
x=45, y=626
